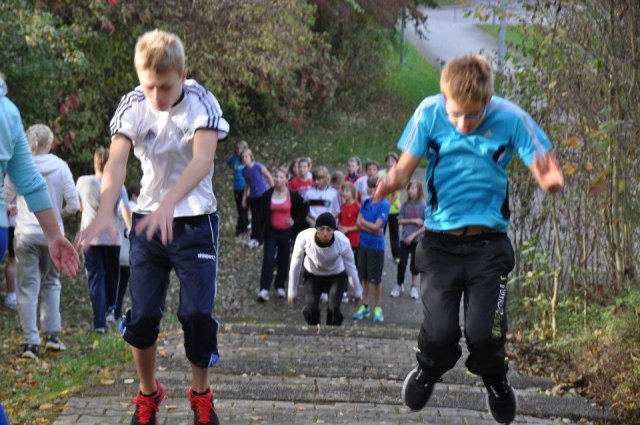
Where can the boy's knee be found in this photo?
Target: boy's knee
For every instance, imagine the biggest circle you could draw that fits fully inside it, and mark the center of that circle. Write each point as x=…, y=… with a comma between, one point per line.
x=143, y=333
x=438, y=357
x=200, y=339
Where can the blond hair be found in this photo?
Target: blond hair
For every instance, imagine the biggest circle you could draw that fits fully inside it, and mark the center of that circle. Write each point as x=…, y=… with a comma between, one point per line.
x=350, y=187
x=337, y=177
x=159, y=51
x=100, y=158
x=248, y=152
x=467, y=79
x=280, y=169
x=40, y=138
x=321, y=173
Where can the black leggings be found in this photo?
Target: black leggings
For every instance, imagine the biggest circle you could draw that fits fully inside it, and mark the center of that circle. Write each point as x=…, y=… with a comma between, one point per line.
x=257, y=231
x=243, y=213
x=314, y=287
x=394, y=238
x=405, y=251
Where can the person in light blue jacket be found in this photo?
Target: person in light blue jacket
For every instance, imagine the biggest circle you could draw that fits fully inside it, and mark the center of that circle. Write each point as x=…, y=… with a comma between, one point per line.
x=16, y=160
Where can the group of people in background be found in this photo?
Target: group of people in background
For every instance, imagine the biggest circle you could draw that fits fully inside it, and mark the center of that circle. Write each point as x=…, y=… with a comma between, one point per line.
x=36, y=280
x=276, y=207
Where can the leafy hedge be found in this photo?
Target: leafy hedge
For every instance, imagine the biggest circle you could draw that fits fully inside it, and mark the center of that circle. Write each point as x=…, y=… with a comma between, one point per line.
x=67, y=63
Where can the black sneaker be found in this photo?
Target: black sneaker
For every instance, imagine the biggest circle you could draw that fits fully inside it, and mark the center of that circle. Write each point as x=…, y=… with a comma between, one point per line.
x=29, y=351
x=204, y=412
x=417, y=389
x=147, y=406
x=53, y=343
x=501, y=399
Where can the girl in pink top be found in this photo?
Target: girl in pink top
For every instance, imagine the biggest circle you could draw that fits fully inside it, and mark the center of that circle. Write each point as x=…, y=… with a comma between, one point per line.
x=282, y=208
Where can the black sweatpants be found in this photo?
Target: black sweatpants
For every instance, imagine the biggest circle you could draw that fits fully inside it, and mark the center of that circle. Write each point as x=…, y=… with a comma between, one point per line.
x=314, y=286
x=405, y=251
x=257, y=231
x=394, y=235
x=478, y=267
x=243, y=213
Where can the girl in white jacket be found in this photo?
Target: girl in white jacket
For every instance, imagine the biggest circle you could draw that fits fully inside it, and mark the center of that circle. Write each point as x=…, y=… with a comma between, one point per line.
x=35, y=271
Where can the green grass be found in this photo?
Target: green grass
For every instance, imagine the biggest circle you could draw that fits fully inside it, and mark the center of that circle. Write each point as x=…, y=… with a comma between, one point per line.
x=448, y=3
x=414, y=80
x=515, y=36
x=33, y=392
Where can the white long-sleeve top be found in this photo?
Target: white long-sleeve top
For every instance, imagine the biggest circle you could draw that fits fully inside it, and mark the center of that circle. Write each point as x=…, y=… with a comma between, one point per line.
x=62, y=191
x=332, y=260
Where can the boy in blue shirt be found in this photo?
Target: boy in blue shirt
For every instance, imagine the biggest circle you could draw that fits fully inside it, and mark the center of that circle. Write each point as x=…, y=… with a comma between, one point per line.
x=372, y=219
x=468, y=135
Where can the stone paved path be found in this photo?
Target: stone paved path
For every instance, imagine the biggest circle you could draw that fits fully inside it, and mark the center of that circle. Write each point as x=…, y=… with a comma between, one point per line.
x=275, y=370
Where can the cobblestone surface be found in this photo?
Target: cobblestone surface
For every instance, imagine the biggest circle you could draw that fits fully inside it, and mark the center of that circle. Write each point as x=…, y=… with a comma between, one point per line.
x=297, y=375
x=109, y=410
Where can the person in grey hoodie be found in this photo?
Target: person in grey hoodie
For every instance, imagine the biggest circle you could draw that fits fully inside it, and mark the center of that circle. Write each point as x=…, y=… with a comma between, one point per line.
x=35, y=272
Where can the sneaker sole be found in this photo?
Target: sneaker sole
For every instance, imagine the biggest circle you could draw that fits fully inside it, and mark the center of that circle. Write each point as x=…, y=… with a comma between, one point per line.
x=486, y=401
x=404, y=390
x=56, y=347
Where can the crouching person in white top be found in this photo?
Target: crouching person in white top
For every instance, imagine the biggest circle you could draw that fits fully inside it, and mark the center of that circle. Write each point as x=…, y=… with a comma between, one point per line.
x=35, y=271
x=327, y=259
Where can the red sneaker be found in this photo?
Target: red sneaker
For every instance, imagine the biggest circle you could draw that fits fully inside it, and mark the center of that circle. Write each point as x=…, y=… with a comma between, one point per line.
x=204, y=412
x=147, y=406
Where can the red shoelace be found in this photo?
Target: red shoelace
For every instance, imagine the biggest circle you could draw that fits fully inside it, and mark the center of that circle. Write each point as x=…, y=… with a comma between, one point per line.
x=203, y=405
x=145, y=406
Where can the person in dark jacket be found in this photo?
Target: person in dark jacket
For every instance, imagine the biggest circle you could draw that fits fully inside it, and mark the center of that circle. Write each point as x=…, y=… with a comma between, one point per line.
x=283, y=211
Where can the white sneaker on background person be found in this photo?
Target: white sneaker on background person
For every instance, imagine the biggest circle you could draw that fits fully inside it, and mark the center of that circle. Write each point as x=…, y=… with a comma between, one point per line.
x=395, y=292
x=414, y=293
x=324, y=298
x=281, y=293
x=263, y=295
x=11, y=301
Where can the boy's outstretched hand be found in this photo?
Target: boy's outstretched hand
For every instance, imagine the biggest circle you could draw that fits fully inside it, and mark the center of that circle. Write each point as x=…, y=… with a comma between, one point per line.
x=547, y=172
x=64, y=255
x=161, y=219
x=98, y=226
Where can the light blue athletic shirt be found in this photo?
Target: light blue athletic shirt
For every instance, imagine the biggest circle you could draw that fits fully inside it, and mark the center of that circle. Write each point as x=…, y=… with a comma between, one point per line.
x=16, y=160
x=466, y=179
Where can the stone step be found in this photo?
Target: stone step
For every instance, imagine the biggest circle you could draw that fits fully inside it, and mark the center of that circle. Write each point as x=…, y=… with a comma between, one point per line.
x=320, y=356
x=305, y=366
x=110, y=410
x=316, y=390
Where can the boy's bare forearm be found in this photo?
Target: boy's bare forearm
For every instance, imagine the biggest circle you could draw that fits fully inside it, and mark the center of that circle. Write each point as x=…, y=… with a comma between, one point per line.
x=114, y=173
x=397, y=177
